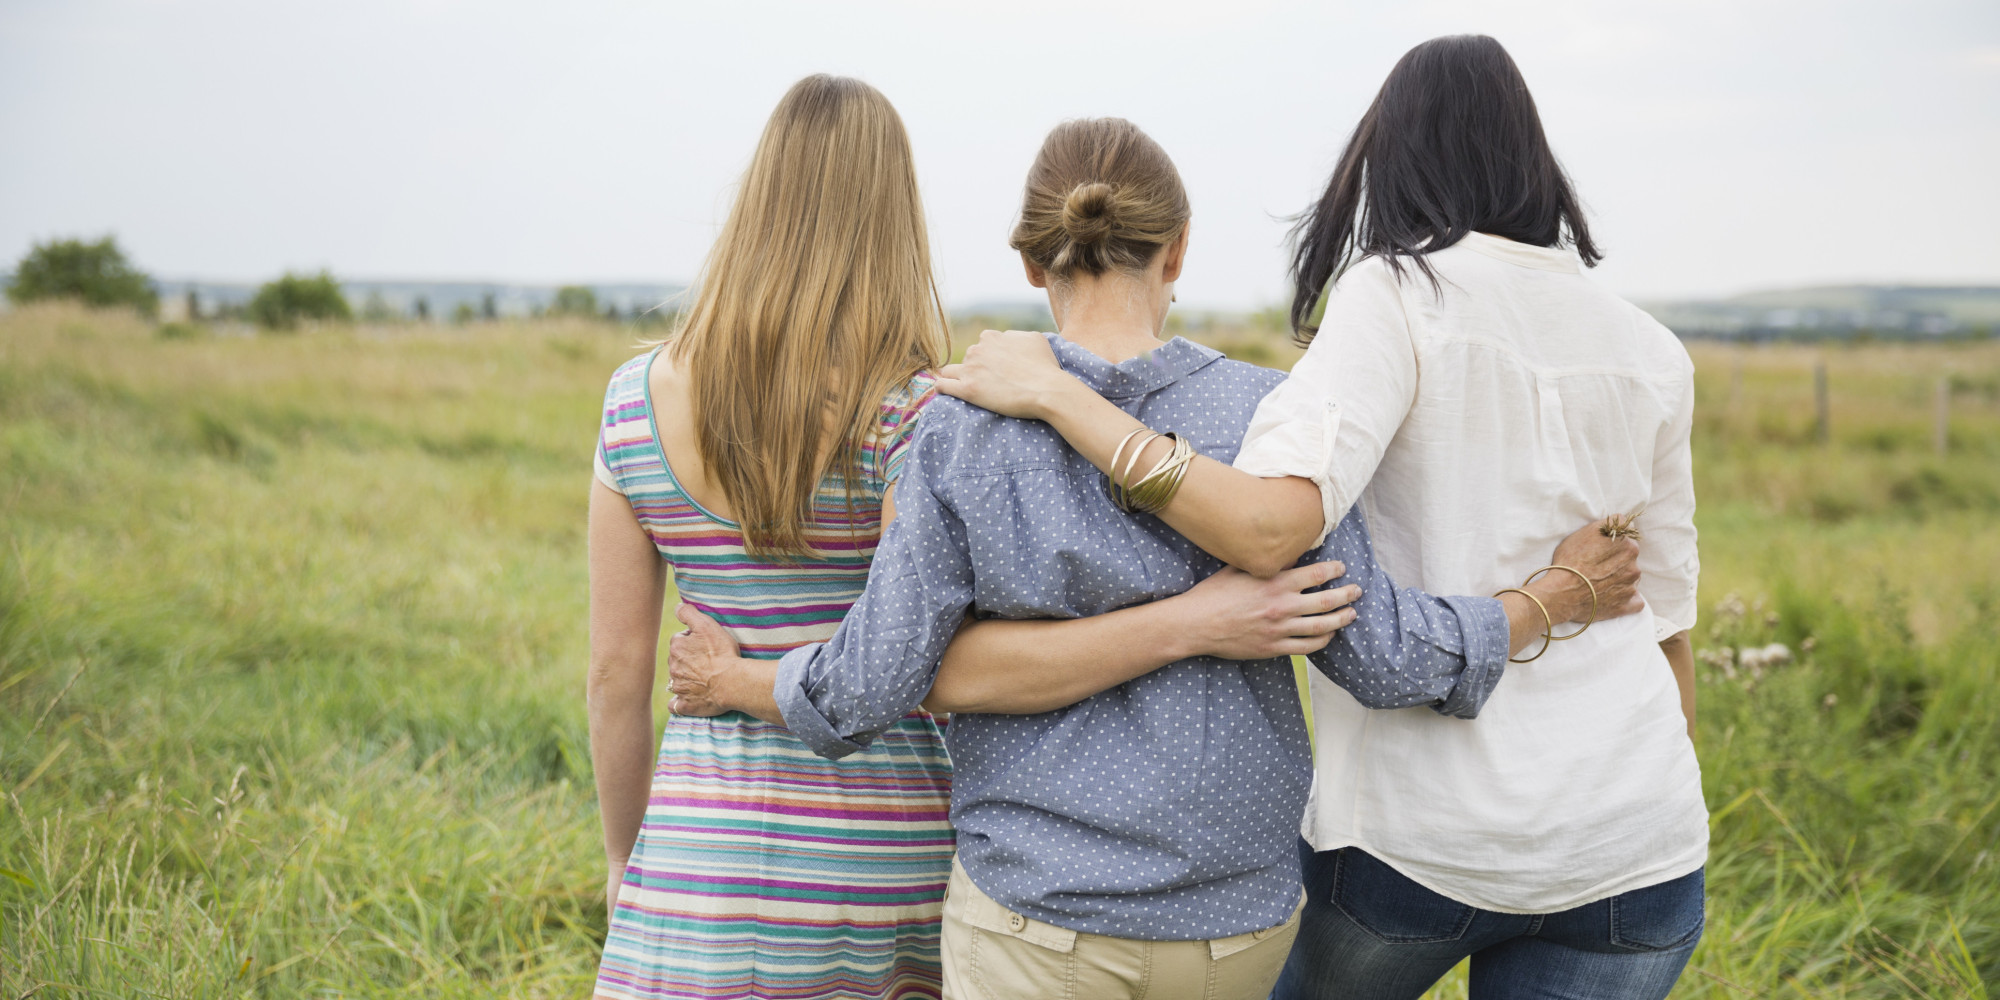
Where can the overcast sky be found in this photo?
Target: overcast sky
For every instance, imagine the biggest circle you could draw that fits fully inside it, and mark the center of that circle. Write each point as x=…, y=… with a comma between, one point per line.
x=1720, y=146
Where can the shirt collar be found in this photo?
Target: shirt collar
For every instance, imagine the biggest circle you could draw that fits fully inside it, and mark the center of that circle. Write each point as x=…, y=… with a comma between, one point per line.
x=1524, y=254
x=1147, y=373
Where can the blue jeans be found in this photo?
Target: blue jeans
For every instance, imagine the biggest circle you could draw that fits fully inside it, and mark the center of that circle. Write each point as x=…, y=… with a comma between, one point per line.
x=1371, y=933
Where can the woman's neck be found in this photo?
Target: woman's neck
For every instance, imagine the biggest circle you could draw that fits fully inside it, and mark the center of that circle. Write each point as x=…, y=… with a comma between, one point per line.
x=1113, y=317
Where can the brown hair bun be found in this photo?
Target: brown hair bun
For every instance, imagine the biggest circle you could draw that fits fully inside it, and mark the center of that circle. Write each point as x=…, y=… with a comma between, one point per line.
x=1087, y=214
x=1101, y=196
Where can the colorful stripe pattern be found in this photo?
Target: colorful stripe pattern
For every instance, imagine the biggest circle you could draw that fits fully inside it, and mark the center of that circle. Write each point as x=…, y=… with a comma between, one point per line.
x=763, y=871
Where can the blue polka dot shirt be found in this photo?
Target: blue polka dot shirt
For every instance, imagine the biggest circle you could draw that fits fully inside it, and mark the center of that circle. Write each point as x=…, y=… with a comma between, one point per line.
x=1166, y=808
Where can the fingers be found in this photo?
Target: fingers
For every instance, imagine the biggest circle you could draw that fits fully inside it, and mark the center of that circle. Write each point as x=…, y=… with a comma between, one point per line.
x=694, y=707
x=1319, y=602
x=693, y=617
x=1318, y=625
x=1620, y=602
x=1310, y=576
x=1300, y=646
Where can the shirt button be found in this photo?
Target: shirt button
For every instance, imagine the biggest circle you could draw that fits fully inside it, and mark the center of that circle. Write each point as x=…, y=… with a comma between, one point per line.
x=1016, y=922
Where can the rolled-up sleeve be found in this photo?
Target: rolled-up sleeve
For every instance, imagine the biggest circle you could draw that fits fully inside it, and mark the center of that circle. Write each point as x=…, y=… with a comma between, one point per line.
x=837, y=695
x=1406, y=647
x=1669, y=561
x=1333, y=418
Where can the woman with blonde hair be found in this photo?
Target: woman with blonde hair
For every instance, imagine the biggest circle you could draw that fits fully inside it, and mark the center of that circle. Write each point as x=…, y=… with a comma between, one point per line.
x=752, y=455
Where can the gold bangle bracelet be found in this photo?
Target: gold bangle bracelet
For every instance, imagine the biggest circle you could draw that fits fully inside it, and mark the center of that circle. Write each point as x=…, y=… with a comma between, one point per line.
x=1126, y=487
x=1546, y=638
x=1121, y=490
x=1111, y=470
x=1553, y=637
x=1147, y=489
x=1159, y=486
x=1179, y=476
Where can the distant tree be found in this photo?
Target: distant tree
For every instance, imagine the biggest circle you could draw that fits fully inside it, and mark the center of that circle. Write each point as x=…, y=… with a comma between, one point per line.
x=376, y=308
x=280, y=304
x=611, y=313
x=463, y=314
x=489, y=309
x=574, y=300
x=193, y=305
x=96, y=273
x=422, y=309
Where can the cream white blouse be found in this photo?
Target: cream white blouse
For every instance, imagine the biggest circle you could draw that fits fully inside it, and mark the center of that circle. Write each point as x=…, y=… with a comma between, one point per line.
x=1477, y=426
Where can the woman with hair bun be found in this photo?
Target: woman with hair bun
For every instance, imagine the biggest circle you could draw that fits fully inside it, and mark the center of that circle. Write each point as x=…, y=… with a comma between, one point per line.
x=1472, y=392
x=1127, y=783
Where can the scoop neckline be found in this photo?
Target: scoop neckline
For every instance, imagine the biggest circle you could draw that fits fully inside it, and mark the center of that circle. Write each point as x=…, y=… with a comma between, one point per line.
x=660, y=448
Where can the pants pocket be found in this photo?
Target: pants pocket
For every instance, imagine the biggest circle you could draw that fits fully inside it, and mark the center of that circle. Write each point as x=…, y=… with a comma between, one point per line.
x=1659, y=917
x=1391, y=906
x=1004, y=967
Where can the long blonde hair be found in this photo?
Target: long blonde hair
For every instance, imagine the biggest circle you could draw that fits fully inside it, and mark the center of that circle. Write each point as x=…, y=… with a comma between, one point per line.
x=815, y=302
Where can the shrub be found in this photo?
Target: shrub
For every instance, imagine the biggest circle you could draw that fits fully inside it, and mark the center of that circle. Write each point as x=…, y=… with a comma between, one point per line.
x=574, y=300
x=280, y=304
x=96, y=273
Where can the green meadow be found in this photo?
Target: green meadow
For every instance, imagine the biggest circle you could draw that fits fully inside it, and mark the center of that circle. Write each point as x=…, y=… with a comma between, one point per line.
x=292, y=645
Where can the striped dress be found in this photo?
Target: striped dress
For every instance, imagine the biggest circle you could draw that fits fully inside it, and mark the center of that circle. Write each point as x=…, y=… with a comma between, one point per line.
x=762, y=870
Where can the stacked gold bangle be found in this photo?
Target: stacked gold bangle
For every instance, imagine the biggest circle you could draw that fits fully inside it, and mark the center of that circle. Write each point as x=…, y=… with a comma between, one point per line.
x=1549, y=636
x=1158, y=487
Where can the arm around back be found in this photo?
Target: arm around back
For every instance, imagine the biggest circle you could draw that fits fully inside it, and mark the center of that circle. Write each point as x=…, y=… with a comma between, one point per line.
x=1259, y=525
x=1006, y=667
x=835, y=696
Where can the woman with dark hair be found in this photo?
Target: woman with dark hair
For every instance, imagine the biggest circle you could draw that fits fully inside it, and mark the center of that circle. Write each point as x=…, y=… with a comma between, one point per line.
x=1474, y=395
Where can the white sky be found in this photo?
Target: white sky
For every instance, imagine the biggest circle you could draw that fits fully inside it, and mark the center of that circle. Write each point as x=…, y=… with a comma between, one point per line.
x=1722, y=146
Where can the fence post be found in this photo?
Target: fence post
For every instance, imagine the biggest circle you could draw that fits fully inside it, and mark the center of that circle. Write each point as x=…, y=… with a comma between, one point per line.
x=1823, y=431
x=1942, y=436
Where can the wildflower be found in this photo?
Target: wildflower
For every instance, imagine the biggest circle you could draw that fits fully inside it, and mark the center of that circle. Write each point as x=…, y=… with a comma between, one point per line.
x=1731, y=607
x=1758, y=657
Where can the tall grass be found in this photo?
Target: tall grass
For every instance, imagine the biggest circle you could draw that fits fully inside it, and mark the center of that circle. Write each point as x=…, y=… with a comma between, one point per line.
x=292, y=639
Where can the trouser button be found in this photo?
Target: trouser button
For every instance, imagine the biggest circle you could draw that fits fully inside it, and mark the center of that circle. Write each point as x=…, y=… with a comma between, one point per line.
x=1016, y=922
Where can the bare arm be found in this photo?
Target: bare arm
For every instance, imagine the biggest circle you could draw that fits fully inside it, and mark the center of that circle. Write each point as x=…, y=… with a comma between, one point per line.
x=1680, y=656
x=1260, y=525
x=627, y=588
x=1025, y=667
x=1313, y=443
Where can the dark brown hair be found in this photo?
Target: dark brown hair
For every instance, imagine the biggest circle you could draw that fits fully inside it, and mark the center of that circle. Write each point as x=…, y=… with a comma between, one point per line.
x=1102, y=196
x=1452, y=145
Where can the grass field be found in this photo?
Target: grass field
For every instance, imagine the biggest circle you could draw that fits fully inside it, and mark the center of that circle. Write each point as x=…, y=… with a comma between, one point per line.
x=292, y=644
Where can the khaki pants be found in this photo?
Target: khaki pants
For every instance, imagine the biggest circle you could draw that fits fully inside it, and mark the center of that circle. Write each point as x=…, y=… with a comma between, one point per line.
x=993, y=953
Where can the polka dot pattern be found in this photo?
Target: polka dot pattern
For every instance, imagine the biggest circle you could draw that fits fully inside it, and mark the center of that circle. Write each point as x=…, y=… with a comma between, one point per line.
x=1167, y=808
